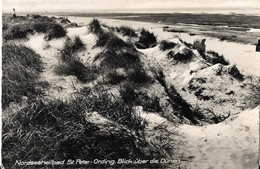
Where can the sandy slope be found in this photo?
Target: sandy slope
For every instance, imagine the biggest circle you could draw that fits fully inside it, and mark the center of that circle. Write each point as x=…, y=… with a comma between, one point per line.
x=232, y=145
x=225, y=145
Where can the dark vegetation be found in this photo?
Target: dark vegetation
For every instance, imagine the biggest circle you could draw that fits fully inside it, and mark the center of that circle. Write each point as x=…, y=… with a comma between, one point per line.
x=21, y=66
x=165, y=45
x=216, y=58
x=111, y=41
x=126, y=31
x=39, y=24
x=115, y=78
x=146, y=40
x=233, y=71
x=72, y=65
x=113, y=59
x=184, y=56
x=133, y=97
x=56, y=31
x=95, y=27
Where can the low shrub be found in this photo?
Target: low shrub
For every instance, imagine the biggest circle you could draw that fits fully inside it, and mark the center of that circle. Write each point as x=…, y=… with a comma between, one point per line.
x=103, y=39
x=71, y=46
x=95, y=27
x=111, y=42
x=21, y=66
x=146, y=40
x=126, y=31
x=151, y=104
x=139, y=76
x=113, y=59
x=165, y=45
x=18, y=32
x=115, y=78
x=72, y=65
x=56, y=31
x=216, y=58
x=183, y=56
x=136, y=98
x=233, y=70
x=41, y=27
x=76, y=68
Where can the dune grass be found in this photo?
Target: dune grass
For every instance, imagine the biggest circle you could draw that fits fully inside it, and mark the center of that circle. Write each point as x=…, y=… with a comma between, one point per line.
x=22, y=26
x=216, y=58
x=132, y=96
x=184, y=56
x=233, y=71
x=21, y=66
x=22, y=30
x=95, y=26
x=146, y=40
x=166, y=45
x=71, y=46
x=126, y=31
x=59, y=130
x=72, y=65
x=114, y=78
x=111, y=41
x=56, y=31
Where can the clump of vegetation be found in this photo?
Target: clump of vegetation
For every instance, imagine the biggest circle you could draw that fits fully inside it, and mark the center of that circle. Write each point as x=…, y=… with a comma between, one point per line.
x=17, y=32
x=103, y=39
x=72, y=46
x=56, y=31
x=233, y=70
x=139, y=76
x=115, y=78
x=126, y=31
x=76, y=68
x=41, y=27
x=95, y=27
x=21, y=66
x=72, y=65
x=22, y=30
x=216, y=58
x=133, y=97
x=111, y=41
x=183, y=56
x=114, y=59
x=165, y=45
x=146, y=40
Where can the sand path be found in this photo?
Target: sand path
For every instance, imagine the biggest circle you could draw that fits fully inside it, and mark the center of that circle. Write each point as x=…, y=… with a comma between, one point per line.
x=60, y=87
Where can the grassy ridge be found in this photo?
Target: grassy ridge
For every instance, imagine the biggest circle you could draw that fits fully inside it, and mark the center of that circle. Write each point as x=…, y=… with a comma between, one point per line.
x=21, y=67
x=21, y=27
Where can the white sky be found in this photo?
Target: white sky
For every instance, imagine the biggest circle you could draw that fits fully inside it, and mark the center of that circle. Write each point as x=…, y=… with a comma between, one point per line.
x=85, y=5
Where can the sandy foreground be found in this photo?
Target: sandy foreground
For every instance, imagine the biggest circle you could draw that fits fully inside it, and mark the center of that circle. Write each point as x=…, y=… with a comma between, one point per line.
x=230, y=144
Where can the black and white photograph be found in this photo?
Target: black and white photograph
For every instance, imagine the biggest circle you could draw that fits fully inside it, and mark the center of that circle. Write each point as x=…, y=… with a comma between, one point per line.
x=130, y=84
